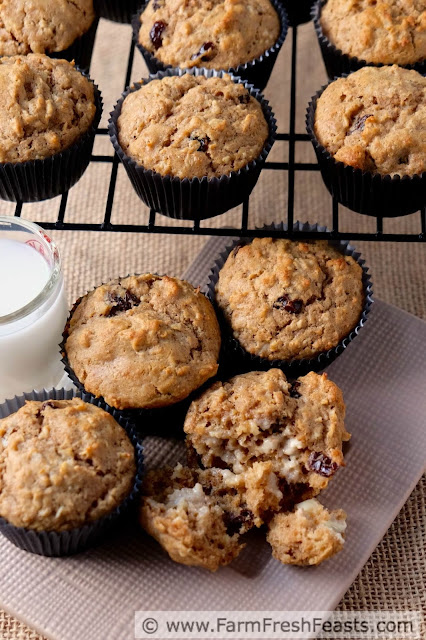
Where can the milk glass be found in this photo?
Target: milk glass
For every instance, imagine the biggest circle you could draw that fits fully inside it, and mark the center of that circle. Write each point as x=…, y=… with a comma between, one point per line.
x=33, y=308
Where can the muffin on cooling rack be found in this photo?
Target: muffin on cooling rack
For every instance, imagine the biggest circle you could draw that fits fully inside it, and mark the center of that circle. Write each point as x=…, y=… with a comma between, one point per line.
x=142, y=342
x=288, y=301
x=193, y=144
x=41, y=26
x=352, y=34
x=373, y=123
x=243, y=37
x=49, y=112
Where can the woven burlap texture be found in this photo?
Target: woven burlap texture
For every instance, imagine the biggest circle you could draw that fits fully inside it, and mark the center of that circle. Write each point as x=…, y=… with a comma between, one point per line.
x=393, y=578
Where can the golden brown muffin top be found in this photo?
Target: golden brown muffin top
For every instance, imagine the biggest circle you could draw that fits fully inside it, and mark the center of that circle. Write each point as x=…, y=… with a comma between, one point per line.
x=39, y=26
x=375, y=120
x=191, y=127
x=45, y=106
x=217, y=34
x=143, y=341
x=63, y=464
x=378, y=31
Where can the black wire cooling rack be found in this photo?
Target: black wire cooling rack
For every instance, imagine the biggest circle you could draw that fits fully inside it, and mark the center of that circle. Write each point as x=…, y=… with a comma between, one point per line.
x=291, y=167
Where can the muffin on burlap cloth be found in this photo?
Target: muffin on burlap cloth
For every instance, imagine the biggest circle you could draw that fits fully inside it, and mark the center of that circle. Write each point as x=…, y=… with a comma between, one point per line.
x=48, y=116
x=216, y=34
x=142, y=342
x=67, y=27
x=369, y=134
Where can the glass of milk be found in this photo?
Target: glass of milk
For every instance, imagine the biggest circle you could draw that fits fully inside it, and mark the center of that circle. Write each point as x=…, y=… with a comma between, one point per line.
x=33, y=308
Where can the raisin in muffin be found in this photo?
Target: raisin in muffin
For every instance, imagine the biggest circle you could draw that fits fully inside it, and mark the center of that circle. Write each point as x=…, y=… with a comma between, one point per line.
x=308, y=535
x=197, y=516
x=217, y=34
x=143, y=341
x=191, y=127
x=45, y=107
x=42, y=26
x=375, y=120
x=377, y=31
x=259, y=422
x=63, y=464
x=289, y=300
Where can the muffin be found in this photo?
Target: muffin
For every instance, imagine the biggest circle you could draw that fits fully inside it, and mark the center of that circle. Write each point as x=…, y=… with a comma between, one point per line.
x=63, y=464
x=48, y=114
x=374, y=32
x=308, y=535
x=260, y=422
x=374, y=122
x=142, y=342
x=289, y=300
x=205, y=137
x=244, y=37
x=197, y=516
x=377, y=31
x=45, y=27
x=216, y=34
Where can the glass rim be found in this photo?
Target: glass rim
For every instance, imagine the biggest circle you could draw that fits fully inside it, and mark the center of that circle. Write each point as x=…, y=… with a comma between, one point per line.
x=55, y=269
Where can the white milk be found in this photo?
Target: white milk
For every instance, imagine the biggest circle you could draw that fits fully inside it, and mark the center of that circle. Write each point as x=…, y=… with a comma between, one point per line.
x=24, y=273
x=29, y=351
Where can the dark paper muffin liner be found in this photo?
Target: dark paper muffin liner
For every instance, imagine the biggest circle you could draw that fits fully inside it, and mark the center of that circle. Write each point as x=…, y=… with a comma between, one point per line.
x=62, y=543
x=336, y=62
x=256, y=72
x=195, y=198
x=298, y=11
x=36, y=180
x=238, y=360
x=117, y=10
x=162, y=422
x=81, y=49
x=369, y=193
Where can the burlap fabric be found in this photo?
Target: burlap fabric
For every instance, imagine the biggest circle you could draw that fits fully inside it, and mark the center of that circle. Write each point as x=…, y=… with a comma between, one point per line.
x=394, y=576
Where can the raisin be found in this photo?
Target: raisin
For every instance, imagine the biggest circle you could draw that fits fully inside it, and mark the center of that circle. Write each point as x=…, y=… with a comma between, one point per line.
x=50, y=404
x=234, y=523
x=122, y=304
x=218, y=463
x=403, y=160
x=205, y=48
x=292, y=306
x=294, y=393
x=292, y=493
x=157, y=4
x=322, y=464
x=156, y=33
x=359, y=124
x=203, y=143
x=244, y=98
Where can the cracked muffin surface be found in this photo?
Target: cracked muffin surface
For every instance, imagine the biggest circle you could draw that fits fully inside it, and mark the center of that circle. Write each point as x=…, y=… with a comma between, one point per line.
x=63, y=464
x=191, y=127
x=39, y=26
x=261, y=424
x=377, y=31
x=289, y=300
x=375, y=120
x=195, y=515
x=45, y=106
x=143, y=341
x=217, y=34
x=308, y=535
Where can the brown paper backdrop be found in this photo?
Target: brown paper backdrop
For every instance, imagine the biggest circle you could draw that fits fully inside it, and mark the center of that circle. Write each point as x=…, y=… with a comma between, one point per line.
x=394, y=576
